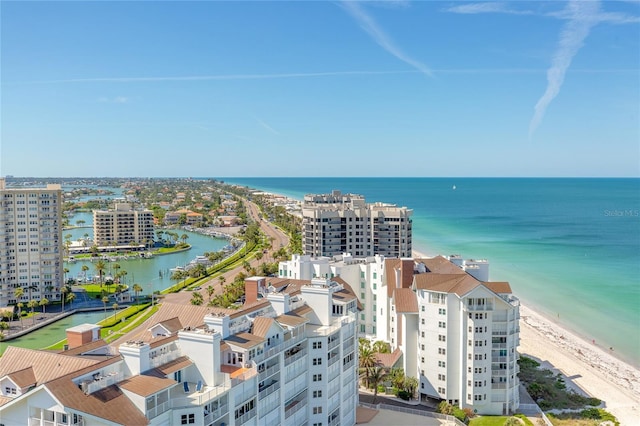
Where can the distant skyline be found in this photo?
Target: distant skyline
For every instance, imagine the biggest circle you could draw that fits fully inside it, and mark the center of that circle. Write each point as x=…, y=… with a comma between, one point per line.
x=385, y=88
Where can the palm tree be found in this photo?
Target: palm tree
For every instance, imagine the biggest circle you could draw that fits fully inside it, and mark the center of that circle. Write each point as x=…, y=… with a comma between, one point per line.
x=43, y=302
x=70, y=298
x=100, y=267
x=18, y=293
x=196, y=299
x=411, y=385
x=184, y=238
x=367, y=359
x=63, y=295
x=105, y=300
x=65, y=271
x=137, y=288
x=222, y=280
x=381, y=347
x=85, y=268
x=116, y=275
x=210, y=291
x=115, y=311
x=377, y=375
x=32, y=304
x=20, y=305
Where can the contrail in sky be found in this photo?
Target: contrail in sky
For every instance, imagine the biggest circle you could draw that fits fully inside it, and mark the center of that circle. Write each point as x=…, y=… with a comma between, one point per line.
x=369, y=25
x=584, y=15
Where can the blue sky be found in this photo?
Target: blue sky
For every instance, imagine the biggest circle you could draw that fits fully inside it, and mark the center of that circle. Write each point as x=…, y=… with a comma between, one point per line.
x=389, y=88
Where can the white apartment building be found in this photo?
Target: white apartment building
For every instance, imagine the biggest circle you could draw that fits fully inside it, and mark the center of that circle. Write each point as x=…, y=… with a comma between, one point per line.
x=362, y=274
x=338, y=223
x=289, y=356
x=123, y=226
x=457, y=332
x=30, y=243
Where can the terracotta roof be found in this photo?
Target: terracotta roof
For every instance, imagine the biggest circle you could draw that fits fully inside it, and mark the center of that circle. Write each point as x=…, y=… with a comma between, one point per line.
x=46, y=365
x=459, y=284
x=172, y=366
x=390, y=266
x=406, y=272
x=23, y=378
x=87, y=347
x=302, y=310
x=348, y=290
x=286, y=285
x=224, y=346
x=261, y=326
x=109, y=403
x=188, y=314
x=291, y=320
x=251, y=307
x=159, y=341
x=405, y=300
x=172, y=325
x=4, y=400
x=389, y=360
x=499, y=287
x=244, y=340
x=145, y=385
x=441, y=265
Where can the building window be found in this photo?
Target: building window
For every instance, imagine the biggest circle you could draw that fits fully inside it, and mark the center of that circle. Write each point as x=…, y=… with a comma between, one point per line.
x=317, y=345
x=317, y=377
x=317, y=394
x=442, y=351
x=188, y=419
x=317, y=361
x=317, y=410
x=422, y=308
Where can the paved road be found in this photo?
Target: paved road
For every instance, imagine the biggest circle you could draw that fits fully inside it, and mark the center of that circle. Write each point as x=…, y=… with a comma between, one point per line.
x=381, y=399
x=279, y=239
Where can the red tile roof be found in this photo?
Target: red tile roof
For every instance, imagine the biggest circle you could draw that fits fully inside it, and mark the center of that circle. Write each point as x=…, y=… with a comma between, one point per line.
x=405, y=300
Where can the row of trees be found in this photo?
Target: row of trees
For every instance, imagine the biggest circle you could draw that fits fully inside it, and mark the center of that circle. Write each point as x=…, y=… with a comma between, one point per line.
x=375, y=374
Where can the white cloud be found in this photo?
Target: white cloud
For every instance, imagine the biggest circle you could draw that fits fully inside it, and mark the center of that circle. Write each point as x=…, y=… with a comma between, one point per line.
x=267, y=127
x=369, y=25
x=486, y=7
x=584, y=15
x=115, y=100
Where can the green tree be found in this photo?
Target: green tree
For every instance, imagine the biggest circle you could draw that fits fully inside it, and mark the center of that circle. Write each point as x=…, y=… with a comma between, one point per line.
x=43, y=302
x=410, y=385
x=115, y=311
x=100, y=267
x=32, y=305
x=63, y=295
x=196, y=299
x=20, y=305
x=137, y=288
x=184, y=238
x=381, y=347
x=377, y=375
x=70, y=298
x=85, y=268
x=105, y=300
x=18, y=293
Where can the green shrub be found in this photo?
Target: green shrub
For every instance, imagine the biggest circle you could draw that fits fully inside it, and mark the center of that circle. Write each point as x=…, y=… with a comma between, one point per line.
x=404, y=395
x=460, y=415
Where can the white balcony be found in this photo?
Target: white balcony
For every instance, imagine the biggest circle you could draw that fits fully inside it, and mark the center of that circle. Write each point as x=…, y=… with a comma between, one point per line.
x=179, y=399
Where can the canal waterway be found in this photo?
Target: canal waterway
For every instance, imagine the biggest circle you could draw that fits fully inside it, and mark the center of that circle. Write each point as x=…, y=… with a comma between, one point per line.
x=152, y=274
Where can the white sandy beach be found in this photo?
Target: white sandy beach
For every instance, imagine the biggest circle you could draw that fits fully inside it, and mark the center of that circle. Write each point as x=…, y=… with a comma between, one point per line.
x=587, y=367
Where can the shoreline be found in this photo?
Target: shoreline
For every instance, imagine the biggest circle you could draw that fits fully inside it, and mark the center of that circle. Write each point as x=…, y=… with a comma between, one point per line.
x=589, y=369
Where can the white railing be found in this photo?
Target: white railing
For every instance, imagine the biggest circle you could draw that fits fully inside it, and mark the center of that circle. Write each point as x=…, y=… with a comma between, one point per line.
x=104, y=381
x=266, y=391
x=200, y=398
x=158, y=409
x=268, y=372
x=162, y=359
x=348, y=365
x=216, y=414
x=415, y=412
x=279, y=348
x=498, y=385
x=246, y=417
x=334, y=343
x=297, y=356
x=291, y=411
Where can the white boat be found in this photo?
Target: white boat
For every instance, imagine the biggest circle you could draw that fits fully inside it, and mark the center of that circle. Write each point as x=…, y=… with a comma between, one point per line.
x=176, y=269
x=454, y=187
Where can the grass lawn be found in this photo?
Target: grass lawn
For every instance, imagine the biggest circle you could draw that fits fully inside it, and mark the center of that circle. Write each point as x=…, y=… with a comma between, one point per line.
x=488, y=421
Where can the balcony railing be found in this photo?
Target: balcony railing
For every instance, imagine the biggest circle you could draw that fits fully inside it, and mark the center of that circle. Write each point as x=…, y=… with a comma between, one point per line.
x=200, y=398
x=297, y=406
x=268, y=372
x=158, y=409
x=162, y=359
x=216, y=414
x=268, y=390
x=246, y=417
x=103, y=382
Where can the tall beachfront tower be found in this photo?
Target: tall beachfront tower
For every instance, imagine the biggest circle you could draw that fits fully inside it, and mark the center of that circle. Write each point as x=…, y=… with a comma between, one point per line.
x=339, y=223
x=30, y=243
x=123, y=226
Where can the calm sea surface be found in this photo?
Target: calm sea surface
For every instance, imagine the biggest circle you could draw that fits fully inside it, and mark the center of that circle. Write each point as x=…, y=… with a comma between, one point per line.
x=569, y=247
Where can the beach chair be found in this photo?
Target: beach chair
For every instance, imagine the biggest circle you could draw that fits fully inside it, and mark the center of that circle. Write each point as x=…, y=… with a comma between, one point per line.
x=186, y=387
x=199, y=386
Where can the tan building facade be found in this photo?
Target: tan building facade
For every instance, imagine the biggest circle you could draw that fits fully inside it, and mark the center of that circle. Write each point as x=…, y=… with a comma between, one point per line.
x=123, y=226
x=30, y=243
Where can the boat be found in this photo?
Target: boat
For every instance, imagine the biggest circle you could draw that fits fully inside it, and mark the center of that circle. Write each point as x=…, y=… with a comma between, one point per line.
x=454, y=187
x=176, y=269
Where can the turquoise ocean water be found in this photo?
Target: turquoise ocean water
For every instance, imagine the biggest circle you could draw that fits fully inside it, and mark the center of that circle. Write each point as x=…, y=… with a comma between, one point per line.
x=569, y=247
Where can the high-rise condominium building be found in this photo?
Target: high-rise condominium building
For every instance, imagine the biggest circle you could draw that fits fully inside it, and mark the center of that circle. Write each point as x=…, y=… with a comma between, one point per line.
x=30, y=243
x=339, y=223
x=287, y=358
x=123, y=226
